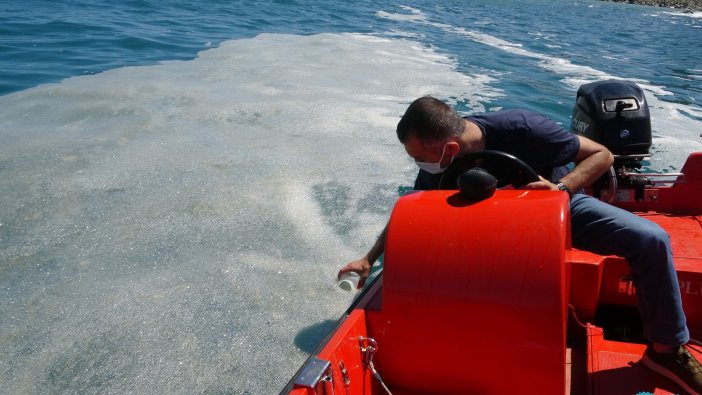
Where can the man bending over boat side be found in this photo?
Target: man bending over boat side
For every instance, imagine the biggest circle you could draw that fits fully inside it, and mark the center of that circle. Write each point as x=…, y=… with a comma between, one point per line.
x=433, y=134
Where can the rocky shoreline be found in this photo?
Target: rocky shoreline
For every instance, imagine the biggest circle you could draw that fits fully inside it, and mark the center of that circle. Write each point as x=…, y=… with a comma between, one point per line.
x=687, y=5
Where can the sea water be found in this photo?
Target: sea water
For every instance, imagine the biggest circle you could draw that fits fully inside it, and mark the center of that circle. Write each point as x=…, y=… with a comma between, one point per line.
x=180, y=183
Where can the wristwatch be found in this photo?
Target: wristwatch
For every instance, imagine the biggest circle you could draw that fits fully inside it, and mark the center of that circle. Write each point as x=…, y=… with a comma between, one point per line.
x=561, y=187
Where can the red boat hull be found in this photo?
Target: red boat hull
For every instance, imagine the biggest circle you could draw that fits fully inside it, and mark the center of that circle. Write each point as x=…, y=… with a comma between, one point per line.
x=489, y=298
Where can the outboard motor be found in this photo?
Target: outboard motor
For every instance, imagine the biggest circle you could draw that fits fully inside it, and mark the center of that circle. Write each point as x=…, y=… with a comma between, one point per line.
x=615, y=114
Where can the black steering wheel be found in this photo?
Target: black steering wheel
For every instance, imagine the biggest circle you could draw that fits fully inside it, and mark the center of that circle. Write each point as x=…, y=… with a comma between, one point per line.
x=507, y=169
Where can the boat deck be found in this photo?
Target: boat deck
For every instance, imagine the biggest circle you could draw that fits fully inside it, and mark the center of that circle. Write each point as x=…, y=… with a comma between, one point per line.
x=615, y=368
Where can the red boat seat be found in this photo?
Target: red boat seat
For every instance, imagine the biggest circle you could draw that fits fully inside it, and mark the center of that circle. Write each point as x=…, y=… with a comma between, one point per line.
x=474, y=294
x=605, y=280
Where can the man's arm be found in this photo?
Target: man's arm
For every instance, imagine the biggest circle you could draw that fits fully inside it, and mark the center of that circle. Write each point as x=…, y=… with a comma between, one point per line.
x=593, y=160
x=363, y=265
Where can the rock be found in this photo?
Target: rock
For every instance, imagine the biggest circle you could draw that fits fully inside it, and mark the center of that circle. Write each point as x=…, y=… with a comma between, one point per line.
x=686, y=5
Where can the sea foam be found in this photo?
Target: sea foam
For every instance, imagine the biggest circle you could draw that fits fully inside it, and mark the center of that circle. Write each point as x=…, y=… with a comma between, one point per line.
x=176, y=227
x=675, y=124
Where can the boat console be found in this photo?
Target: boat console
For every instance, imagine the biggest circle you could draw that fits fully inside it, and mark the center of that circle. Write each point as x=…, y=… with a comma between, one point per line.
x=482, y=293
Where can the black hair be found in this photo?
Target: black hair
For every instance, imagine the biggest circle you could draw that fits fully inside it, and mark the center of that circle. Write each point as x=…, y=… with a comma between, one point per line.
x=429, y=120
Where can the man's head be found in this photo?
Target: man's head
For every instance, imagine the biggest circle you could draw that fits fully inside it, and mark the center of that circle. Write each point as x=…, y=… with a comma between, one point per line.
x=430, y=120
x=430, y=130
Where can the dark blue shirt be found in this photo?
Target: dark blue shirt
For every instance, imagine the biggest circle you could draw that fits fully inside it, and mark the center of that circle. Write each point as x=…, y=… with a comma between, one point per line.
x=531, y=137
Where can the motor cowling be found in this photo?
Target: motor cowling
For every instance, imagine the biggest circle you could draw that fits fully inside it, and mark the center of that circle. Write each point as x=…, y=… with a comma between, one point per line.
x=615, y=114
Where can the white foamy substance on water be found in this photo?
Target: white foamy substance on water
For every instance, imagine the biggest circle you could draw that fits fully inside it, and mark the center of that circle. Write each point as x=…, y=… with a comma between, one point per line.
x=177, y=228
x=675, y=126
x=694, y=14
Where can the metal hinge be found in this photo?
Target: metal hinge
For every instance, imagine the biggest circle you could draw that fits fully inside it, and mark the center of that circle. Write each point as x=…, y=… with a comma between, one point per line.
x=317, y=376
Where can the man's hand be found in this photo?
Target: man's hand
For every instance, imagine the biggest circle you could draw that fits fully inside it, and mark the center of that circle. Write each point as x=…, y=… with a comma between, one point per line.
x=361, y=266
x=542, y=184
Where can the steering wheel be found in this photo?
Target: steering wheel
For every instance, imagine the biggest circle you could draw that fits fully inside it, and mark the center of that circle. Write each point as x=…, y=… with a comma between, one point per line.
x=507, y=168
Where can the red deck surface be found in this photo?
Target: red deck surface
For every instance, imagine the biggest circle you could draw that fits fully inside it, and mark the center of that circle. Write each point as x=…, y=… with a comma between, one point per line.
x=615, y=368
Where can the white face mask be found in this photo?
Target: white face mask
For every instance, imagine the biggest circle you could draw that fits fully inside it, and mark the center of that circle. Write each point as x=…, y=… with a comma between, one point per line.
x=434, y=168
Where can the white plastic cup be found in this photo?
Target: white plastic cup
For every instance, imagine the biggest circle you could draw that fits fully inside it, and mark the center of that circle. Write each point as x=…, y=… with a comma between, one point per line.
x=349, y=281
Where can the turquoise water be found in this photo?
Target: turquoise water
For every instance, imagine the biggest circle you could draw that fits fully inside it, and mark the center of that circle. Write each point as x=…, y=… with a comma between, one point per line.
x=180, y=182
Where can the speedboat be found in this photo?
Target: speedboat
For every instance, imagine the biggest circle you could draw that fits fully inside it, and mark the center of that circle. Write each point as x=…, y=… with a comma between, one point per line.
x=481, y=291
